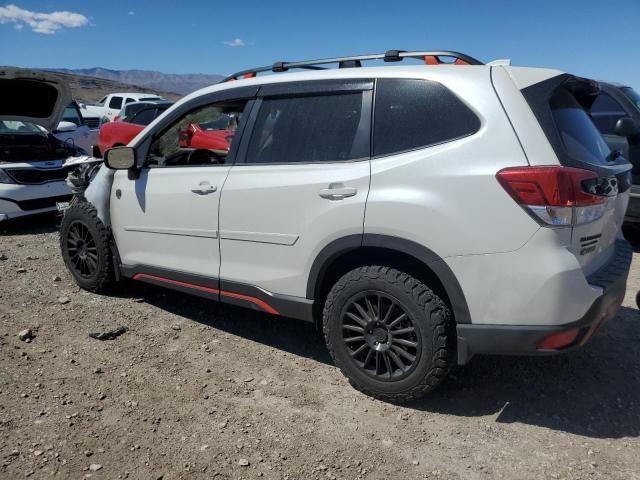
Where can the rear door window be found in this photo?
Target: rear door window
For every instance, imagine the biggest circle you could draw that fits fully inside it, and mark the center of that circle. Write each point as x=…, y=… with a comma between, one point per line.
x=412, y=114
x=581, y=139
x=310, y=129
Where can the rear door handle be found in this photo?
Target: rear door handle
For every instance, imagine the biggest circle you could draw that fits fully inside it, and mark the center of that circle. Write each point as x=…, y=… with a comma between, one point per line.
x=204, y=188
x=337, y=191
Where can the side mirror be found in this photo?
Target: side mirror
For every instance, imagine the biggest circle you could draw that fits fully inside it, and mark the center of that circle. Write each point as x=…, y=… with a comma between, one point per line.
x=627, y=127
x=64, y=127
x=120, y=158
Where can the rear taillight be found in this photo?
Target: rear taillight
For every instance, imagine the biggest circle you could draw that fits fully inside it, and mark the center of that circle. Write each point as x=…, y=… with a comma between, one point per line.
x=555, y=196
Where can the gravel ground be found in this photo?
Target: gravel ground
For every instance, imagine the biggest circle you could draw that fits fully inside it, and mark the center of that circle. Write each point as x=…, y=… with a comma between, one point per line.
x=200, y=390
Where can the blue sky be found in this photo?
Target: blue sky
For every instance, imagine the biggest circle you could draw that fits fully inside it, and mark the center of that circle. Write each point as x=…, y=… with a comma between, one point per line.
x=582, y=37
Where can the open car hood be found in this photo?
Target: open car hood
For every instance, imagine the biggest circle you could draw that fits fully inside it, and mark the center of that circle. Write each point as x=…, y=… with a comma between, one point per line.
x=33, y=96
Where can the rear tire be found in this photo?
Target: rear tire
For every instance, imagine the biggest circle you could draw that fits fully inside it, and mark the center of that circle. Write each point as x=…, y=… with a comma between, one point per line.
x=84, y=242
x=388, y=333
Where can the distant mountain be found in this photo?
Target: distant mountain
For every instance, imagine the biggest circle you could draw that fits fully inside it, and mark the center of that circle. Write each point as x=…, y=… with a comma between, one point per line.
x=167, y=82
x=90, y=89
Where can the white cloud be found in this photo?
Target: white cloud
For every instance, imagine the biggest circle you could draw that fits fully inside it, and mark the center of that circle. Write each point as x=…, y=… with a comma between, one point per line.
x=236, y=42
x=47, y=23
x=131, y=12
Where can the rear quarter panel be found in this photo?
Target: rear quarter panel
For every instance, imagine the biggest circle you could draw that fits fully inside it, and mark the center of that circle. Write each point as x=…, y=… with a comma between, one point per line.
x=446, y=197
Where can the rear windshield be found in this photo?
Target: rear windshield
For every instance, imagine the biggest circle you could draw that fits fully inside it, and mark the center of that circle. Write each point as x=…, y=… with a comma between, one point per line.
x=581, y=139
x=632, y=94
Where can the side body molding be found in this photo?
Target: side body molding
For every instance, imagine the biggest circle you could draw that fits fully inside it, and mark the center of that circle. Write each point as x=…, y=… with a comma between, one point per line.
x=422, y=254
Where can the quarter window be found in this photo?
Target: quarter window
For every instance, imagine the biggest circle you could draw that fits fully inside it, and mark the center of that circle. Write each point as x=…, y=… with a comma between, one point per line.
x=412, y=114
x=306, y=129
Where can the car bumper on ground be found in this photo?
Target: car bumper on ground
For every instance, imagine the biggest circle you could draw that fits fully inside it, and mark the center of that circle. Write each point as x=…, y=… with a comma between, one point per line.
x=551, y=339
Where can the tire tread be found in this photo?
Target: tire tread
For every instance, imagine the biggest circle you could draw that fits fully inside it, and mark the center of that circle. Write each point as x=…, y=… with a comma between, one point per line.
x=426, y=300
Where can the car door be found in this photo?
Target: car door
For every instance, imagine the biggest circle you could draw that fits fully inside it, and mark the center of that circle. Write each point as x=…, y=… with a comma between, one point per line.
x=165, y=221
x=80, y=136
x=301, y=180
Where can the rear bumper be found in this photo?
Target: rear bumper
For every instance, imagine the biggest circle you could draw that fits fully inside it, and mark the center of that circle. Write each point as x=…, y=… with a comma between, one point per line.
x=526, y=339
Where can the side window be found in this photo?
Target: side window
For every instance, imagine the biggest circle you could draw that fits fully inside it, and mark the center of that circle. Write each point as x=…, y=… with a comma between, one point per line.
x=605, y=113
x=129, y=100
x=320, y=128
x=72, y=115
x=115, y=102
x=412, y=114
x=143, y=117
x=188, y=142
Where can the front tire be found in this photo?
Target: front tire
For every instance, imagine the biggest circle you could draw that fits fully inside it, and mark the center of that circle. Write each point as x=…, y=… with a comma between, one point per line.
x=84, y=242
x=388, y=333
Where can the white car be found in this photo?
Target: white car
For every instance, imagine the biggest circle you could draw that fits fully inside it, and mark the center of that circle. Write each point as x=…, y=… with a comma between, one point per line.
x=422, y=214
x=32, y=176
x=109, y=106
x=73, y=129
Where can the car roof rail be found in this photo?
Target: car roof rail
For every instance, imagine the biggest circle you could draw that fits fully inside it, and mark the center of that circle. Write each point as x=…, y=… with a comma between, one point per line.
x=429, y=57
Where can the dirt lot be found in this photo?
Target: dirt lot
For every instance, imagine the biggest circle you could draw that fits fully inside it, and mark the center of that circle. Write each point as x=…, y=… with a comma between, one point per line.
x=199, y=390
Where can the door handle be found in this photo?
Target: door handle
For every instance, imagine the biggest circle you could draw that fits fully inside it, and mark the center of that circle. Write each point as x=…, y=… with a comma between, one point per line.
x=204, y=188
x=337, y=191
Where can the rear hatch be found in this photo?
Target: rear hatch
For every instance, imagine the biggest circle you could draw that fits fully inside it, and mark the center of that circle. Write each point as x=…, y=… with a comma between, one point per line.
x=601, y=179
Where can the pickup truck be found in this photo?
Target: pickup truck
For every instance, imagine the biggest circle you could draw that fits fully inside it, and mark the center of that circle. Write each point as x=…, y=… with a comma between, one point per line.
x=110, y=105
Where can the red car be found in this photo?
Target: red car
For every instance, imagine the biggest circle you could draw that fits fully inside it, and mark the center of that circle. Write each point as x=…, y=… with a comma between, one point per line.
x=132, y=121
x=215, y=135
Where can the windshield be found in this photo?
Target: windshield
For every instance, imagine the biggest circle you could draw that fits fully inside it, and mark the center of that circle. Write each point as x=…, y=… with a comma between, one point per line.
x=15, y=126
x=582, y=140
x=632, y=94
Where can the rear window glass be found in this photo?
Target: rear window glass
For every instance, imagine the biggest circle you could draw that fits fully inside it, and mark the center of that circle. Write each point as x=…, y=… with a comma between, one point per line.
x=581, y=139
x=411, y=114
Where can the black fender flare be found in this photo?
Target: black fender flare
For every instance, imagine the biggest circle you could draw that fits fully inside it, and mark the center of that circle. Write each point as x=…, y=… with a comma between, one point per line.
x=426, y=256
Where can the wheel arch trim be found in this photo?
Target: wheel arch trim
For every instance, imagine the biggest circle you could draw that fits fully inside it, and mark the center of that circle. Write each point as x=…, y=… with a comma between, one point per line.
x=427, y=257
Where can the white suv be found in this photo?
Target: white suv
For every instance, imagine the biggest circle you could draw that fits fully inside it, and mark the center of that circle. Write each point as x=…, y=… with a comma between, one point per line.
x=420, y=214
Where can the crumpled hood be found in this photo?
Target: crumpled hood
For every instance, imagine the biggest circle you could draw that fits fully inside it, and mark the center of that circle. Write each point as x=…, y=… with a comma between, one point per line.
x=33, y=96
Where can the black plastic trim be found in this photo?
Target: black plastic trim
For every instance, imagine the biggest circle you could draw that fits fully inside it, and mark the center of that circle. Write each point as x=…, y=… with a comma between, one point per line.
x=285, y=305
x=421, y=253
x=314, y=87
